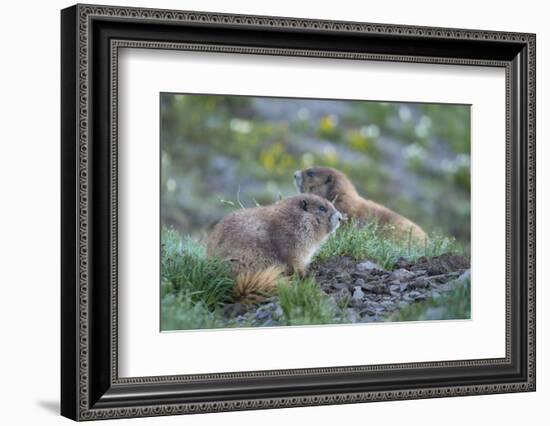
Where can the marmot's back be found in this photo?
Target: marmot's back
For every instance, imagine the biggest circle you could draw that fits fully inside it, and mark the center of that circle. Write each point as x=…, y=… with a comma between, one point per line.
x=242, y=238
x=334, y=185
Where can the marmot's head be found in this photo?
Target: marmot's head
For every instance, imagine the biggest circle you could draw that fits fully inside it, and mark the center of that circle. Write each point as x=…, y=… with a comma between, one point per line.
x=318, y=211
x=325, y=182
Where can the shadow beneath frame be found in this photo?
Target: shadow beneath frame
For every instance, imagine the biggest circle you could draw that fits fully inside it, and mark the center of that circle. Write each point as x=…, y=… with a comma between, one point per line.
x=50, y=406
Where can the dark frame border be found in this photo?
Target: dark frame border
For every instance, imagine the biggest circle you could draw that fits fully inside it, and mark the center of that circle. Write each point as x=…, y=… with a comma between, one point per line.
x=90, y=386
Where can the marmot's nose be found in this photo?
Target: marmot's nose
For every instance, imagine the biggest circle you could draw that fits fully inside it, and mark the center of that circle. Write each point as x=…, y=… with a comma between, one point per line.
x=297, y=174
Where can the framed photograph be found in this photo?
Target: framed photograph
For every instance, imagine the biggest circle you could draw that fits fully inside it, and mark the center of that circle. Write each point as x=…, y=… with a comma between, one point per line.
x=263, y=212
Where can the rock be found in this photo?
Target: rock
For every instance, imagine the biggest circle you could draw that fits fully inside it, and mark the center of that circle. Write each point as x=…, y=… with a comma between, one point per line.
x=268, y=323
x=353, y=315
x=368, y=310
x=402, y=263
x=421, y=282
x=416, y=295
x=234, y=309
x=373, y=318
x=388, y=305
x=340, y=286
x=358, y=293
x=367, y=265
x=446, y=287
x=403, y=286
x=357, y=297
x=395, y=287
x=262, y=315
x=464, y=276
x=278, y=312
x=360, y=282
x=370, y=287
x=240, y=318
x=401, y=275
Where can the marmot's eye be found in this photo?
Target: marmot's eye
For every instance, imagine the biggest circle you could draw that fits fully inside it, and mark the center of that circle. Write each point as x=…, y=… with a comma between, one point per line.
x=323, y=209
x=309, y=173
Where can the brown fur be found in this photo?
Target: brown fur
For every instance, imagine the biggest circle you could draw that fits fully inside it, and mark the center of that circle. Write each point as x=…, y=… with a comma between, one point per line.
x=280, y=237
x=253, y=286
x=335, y=186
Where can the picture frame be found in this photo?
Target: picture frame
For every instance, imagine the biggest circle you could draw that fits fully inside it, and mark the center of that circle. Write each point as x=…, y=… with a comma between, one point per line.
x=90, y=384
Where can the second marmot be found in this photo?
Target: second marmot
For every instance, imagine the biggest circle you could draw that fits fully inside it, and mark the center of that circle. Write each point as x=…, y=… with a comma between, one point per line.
x=334, y=185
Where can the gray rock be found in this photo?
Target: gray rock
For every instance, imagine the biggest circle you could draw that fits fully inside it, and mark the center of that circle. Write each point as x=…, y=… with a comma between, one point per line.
x=358, y=293
x=416, y=295
x=388, y=305
x=395, y=287
x=340, y=286
x=357, y=297
x=268, y=323
x=278, y=312
x=262, y=315
x=368, y=311
x=464, y=276
x=353, y=315
x=234, y=309
x=401, y=275
x=367, y=265
x=370, y=287
x=422, y=282
x=360, y=282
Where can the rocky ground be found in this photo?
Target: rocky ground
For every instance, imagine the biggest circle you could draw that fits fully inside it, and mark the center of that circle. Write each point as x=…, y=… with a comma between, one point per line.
x=371, y=293
x=365, y=292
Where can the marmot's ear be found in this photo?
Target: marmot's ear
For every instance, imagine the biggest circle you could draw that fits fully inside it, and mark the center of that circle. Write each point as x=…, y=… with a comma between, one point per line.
x=304, y=205
x=329, y=179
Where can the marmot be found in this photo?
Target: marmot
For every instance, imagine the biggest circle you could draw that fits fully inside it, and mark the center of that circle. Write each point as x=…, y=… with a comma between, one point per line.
x=263, y=243
x=334, y=185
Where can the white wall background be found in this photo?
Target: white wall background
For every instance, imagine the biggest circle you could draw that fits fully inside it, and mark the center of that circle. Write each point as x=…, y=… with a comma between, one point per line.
x=29, y=213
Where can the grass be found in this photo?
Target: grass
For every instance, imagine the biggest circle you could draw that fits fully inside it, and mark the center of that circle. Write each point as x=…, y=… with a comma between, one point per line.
x=192, y=286
x=187, y=273
x=453, y=305
x=371, y=242
x=195, y=288
x=303, y=303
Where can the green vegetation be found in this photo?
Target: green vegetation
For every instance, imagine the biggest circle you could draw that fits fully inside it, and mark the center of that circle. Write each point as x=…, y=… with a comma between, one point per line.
x=413, y=158
x=221, y=152
x=195, y=290
x=371, y=242
x=303, y=303
x=188, y=274
x=454, y=305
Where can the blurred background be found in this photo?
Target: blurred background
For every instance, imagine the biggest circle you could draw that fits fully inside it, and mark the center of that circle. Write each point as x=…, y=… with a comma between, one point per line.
x=219, y=152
